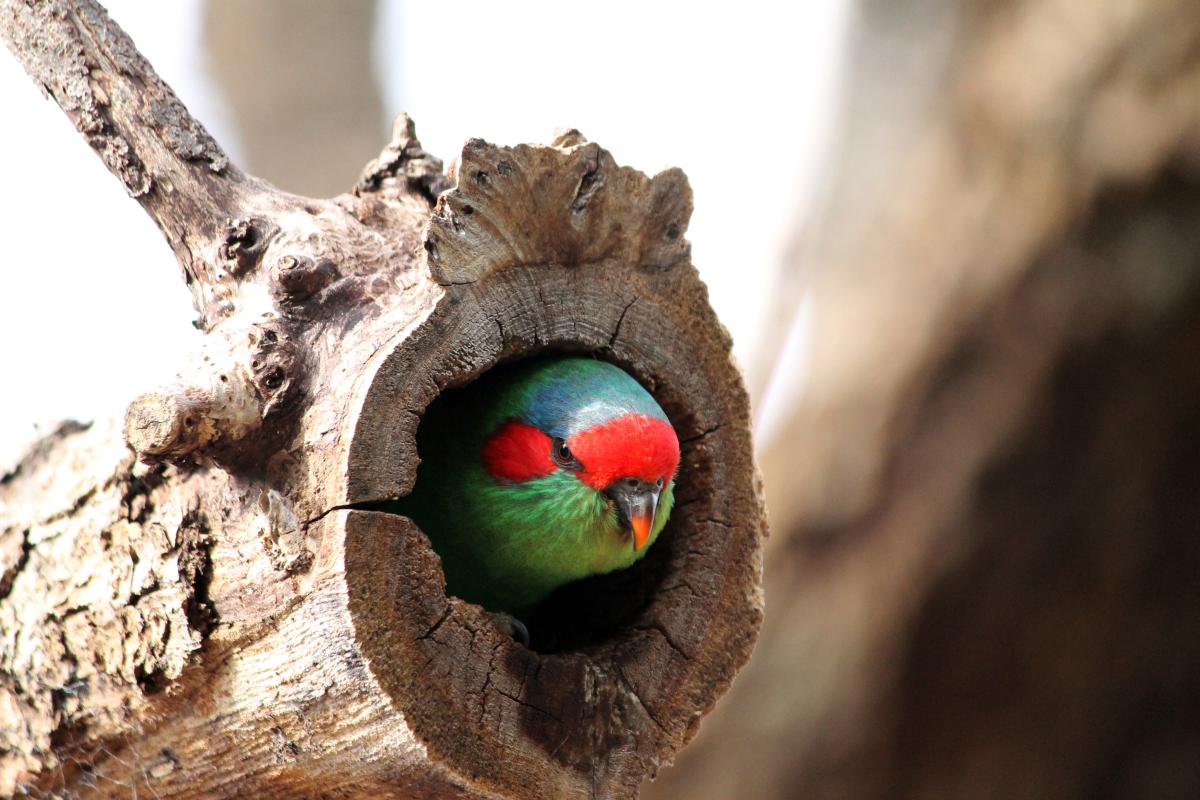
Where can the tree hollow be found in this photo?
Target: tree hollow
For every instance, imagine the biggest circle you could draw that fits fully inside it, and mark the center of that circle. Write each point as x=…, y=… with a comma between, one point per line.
x=637, y=657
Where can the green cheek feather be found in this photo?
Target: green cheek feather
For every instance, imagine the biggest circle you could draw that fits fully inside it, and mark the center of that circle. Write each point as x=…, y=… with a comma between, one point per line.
x=548, y=531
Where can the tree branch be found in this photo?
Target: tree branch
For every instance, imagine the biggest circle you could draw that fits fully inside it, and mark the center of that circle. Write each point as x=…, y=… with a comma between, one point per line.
x=165, y=158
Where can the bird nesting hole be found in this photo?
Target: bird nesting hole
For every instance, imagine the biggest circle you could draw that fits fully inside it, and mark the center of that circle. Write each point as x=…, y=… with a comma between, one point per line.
x=588, y=611
x=622, y=666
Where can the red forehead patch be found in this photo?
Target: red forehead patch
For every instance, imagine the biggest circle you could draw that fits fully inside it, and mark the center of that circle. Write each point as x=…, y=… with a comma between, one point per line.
x=632, y=446
x=517, y=452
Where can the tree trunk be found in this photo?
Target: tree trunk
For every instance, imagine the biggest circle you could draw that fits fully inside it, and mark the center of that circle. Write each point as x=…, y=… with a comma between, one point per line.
x=213, y=606
x=313, y=82
x=984, y=577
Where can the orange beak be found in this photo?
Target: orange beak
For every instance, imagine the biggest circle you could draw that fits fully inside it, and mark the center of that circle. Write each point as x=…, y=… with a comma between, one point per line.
x=641, y=529
x=635, y=501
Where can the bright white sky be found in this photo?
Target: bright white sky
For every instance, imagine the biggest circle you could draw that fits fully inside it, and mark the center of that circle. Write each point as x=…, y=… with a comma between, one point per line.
x=93, y=309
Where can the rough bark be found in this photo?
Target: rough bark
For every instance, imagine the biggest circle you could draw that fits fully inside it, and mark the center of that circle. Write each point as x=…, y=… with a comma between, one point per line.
x=983, y=582
x=212, y=607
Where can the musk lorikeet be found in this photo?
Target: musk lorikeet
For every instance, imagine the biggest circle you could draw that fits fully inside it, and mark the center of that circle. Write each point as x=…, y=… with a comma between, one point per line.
x=540, y=474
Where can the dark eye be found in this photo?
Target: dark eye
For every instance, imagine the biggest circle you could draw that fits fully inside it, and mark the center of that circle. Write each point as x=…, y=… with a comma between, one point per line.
x=562, y=455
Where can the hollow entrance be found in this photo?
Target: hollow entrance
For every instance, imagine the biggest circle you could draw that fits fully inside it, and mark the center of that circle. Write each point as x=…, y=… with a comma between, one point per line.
x=450, y=442
x=605, y=701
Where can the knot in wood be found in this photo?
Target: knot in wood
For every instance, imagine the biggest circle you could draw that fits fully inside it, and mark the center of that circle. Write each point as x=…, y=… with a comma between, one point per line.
x=244, y=242
x=403, y=159
x=166, y=424
x=298, y=277
x=274, y=366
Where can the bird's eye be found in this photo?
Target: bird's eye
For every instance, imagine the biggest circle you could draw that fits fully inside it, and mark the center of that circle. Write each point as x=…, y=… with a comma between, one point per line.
x=659, y=483
x=562, y=455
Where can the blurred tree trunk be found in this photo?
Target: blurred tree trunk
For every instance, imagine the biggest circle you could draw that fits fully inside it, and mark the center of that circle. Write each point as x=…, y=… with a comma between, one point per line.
x=984, y=576
x=299, y=77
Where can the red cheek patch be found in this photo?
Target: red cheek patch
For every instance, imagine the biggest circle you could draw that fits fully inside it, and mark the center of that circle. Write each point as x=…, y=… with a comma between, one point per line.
x=517, y=452
x=632, y=446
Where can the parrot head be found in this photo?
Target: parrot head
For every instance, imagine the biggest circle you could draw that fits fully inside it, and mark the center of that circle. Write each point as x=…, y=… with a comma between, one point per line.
x=590, y=429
